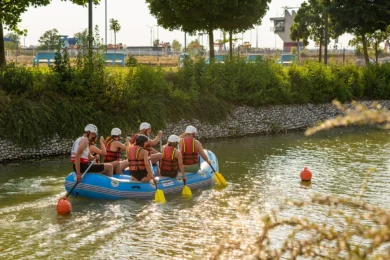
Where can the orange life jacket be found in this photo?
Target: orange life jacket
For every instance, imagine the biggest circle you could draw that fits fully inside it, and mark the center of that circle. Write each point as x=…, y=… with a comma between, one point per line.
x=111, y=155
x=136, y=163
x=189, y=151
x=169, y=162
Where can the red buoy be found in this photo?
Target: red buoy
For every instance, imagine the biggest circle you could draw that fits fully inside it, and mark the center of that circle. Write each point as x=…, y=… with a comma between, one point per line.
x=63, y=206
x=306, y=174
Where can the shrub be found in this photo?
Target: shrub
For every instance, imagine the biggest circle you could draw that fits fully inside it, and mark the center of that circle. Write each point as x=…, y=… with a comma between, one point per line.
x=131, y=61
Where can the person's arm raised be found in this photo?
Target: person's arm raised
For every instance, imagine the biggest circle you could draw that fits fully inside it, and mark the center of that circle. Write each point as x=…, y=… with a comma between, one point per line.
x=157, y=139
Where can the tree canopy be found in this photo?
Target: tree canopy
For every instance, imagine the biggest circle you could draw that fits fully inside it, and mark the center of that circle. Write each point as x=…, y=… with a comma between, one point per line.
x=49, y=40
x=198, y=15
x=11, y=11
x=359, y=17
x=309, y=23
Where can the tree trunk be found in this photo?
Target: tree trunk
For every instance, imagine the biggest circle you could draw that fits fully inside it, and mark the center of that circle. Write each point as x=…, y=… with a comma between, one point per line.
x=2, y=51
x=320, y=52
x=376, y=52
x=231, y=44
x=364, y=41
x=211, y=43
x=115, y=48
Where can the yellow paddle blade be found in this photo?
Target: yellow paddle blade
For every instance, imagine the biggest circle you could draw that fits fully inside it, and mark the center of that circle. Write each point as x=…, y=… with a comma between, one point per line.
x=159, y=196
x=186, y=191
x=217, y=180
x=221, y=179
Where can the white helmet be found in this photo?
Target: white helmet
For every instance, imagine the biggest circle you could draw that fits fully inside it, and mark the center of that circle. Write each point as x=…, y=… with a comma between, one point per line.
x=144, y=125
x=190, y=130
x=173, y=139
x=91, y=128
x=116, y=131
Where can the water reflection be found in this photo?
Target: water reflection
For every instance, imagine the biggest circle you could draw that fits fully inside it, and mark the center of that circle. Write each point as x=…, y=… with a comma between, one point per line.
x=262, y=172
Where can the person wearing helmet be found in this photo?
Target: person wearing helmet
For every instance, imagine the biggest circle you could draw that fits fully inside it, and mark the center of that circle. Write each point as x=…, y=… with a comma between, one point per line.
x=145, y=129
x=172, y=159
x=114, y=147
x=81, y=156
x=191, y=149
x=137, y=156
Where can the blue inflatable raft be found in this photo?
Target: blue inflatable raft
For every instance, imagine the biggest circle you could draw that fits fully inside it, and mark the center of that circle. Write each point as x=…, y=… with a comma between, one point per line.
x=99, y=186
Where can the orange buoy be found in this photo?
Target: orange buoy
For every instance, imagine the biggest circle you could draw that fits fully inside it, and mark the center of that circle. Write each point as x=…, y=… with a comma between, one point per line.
x=63, y=206
x=306, y=174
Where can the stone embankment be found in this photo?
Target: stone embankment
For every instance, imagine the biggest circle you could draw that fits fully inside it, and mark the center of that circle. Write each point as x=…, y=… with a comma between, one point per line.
x=242, y=122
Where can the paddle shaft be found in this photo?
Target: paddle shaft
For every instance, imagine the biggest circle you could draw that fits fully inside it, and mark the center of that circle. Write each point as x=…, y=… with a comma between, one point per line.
x=81, y=178
x=151, y=167
x=212, y=167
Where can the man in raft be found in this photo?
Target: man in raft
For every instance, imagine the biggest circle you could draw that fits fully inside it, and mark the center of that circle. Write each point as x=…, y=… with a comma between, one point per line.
x=81, y=156
x=191, y=149
x=171, y=161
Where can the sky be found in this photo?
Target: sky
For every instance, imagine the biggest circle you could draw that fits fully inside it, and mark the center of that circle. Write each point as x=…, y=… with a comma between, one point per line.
x=135, y=20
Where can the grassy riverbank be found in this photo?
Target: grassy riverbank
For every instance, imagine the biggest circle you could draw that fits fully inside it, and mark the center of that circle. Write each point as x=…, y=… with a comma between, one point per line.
x=37, y=103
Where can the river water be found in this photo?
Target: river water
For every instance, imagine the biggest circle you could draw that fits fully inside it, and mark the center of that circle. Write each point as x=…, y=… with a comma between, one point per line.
x=262, y=172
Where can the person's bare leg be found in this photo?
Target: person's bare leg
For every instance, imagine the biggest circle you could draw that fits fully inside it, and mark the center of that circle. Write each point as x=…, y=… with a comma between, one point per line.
x=108, y=169
x=124, y=165
x=155, y=157
x=116, y=165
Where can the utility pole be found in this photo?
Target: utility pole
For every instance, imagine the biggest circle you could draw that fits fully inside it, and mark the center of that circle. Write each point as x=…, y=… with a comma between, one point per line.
x=326, y=37
x=185, y=42
x=90, y=37
x=106, y=24
x=151, y=35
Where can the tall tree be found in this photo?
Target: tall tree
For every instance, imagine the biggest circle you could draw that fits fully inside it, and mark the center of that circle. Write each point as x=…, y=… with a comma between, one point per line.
x=49, y=40
x=10, y=13
x=239, y=16
x=176, y=46
x=309, y=23
x=116, y=27
x=373, y=41
x=189, y=16
x=13, y=37
x=359, y=17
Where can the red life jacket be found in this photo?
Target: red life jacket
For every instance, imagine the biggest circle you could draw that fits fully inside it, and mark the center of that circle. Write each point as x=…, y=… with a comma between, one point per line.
x=169, y=162
x=189, y=151
x=111, y=155
x=136, y=163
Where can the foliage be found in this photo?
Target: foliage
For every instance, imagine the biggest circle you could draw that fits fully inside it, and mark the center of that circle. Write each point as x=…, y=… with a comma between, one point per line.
x=359, y=18
x=373, y=41
x=131, y=61
x=10, y=16
x=72, y=95
x=192, y=16
x=240, y=16
x=116, y=27
x=13, y=37
x=49, y=40
x=309, y=23
x=176, y=46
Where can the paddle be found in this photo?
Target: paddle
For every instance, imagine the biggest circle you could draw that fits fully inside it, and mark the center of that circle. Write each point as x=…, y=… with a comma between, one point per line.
x=159, y=196
x=218, y=177
x=63, y=206
x=186, y=190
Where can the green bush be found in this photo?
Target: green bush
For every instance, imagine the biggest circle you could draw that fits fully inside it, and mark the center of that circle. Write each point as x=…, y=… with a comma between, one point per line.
x=131, y=61
x=36, y=104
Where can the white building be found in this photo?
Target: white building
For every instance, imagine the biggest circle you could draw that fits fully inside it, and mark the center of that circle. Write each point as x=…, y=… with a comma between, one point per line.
x=282, y=27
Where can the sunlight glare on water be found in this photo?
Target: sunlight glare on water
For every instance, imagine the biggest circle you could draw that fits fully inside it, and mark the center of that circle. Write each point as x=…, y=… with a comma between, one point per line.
x=262, y=171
